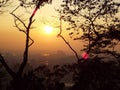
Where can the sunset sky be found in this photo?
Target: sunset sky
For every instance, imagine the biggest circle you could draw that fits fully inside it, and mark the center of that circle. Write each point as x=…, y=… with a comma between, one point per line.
x=12, y=39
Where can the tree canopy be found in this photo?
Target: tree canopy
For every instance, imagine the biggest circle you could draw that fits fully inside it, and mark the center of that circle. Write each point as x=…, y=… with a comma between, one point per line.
x=96, y=22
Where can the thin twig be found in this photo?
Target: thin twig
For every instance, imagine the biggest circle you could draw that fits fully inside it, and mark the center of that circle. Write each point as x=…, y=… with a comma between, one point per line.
x=63, y=38
x=16, y=25
x=12, y=13
x=70, y=47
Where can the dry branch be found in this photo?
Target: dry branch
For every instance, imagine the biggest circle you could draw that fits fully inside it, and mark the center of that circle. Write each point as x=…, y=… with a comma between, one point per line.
x=63, y=38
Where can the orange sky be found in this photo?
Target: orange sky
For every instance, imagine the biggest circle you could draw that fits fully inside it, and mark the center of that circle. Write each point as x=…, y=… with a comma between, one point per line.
x=12, y=39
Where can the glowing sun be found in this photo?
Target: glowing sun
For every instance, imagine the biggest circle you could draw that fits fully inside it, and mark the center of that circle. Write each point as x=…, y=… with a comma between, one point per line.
x=48, y=29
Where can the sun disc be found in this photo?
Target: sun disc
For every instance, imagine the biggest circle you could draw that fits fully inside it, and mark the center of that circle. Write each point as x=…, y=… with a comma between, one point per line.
x=48, y=29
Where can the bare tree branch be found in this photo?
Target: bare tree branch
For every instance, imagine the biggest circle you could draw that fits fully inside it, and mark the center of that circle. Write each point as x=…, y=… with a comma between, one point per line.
x=25, y=57
x=76, y=54
x=32, y=41
x=19, y=20
x=12, y=13
x=17, y=26
x=63, y=38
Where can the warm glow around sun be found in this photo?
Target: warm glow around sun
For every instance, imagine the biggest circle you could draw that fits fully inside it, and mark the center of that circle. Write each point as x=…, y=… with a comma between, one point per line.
x=48, y=29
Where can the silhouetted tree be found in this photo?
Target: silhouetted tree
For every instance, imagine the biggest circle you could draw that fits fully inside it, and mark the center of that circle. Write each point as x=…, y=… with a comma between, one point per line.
x=17, y=76
x=96, y=22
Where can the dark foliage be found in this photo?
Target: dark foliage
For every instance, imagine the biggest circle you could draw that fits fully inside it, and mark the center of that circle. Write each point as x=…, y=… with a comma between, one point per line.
x=41, y=78
x=33, y=3
x=4, y=78
x=93, y=74
x=95, y=22
x=97, y=75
